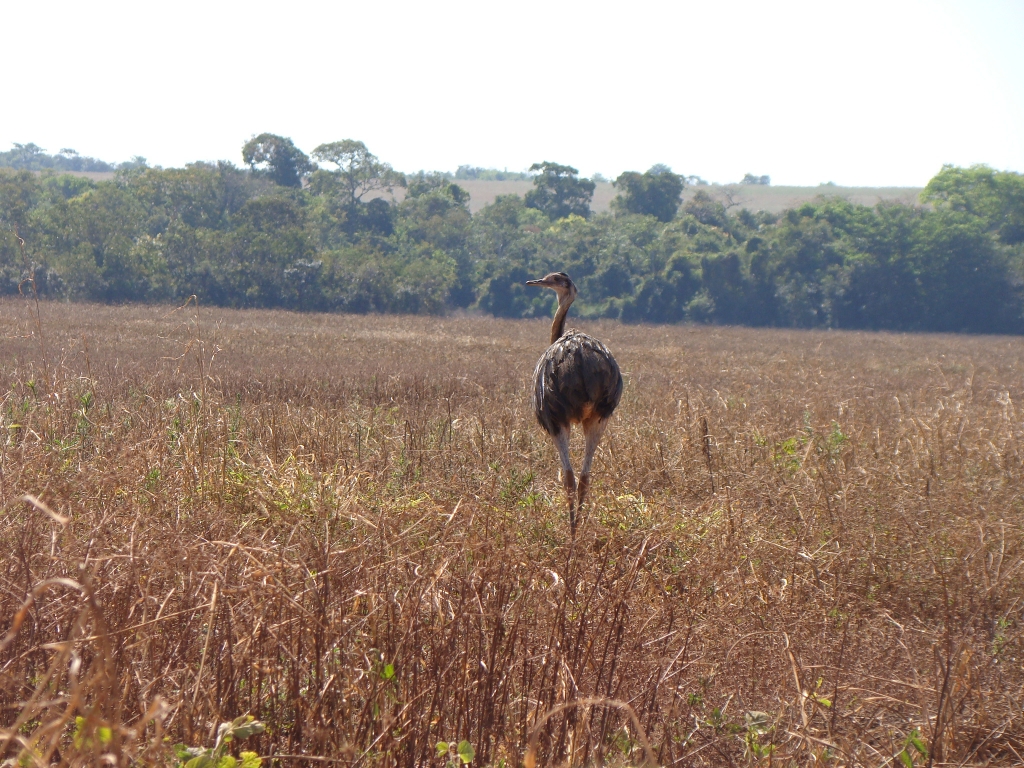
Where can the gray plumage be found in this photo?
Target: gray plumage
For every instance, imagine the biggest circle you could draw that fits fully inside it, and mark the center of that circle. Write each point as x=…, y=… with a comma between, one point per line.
x=576, y=381
x=576, y=378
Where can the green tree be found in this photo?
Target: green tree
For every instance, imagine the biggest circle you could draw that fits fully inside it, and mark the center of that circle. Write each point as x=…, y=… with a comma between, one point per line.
x=425, y=183
x=505, y=231
x=725, y=283
x=432, y=228
x=964, y=276
x=663, y=298
x=657, y=192
x=559, y=192
x=65, y=186
x=19, y=196
x=358, y=278
x=267, y=260
x=194, y=194
x=995, y=196
x=28, y=157
x=90, y=238
x=278, y=158
x=808, y=268
x=357, y=171
x=503, y=293
x=884, y=287
x=705, y=209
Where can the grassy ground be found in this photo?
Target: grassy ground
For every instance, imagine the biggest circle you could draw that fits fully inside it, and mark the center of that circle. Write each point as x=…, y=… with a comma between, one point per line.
x=802, y=548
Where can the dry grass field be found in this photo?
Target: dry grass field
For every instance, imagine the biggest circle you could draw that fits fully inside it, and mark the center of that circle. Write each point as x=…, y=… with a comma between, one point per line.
x=751, y=196
x=801, y=548
x=773, y=199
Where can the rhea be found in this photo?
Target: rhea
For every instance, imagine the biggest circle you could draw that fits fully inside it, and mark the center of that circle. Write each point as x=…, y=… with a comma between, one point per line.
x=577, y=381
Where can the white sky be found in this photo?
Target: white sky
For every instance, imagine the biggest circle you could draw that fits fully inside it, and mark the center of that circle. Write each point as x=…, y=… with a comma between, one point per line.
x=859, y=93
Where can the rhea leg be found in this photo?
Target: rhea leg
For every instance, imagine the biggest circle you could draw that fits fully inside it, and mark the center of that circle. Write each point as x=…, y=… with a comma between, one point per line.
x=568, y=478
x=593, y=430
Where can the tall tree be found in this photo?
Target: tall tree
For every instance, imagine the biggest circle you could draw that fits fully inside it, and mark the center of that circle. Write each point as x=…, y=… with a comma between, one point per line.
x=357, y=170
x=657, y=192
x=424, y=183
x=559, y=192
x=995, y=196
x=279, y=158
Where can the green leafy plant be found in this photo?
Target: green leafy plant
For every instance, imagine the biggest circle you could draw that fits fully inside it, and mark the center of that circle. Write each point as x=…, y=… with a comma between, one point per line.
x=786, y=454
x=215, y=757
x=86, y=738
x=1001, y=638
x=821, y=701
x=758, y=725
x=457, y=754
x=914, y=743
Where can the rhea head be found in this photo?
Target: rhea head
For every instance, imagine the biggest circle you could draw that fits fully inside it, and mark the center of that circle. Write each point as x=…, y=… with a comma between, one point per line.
x=560, y=283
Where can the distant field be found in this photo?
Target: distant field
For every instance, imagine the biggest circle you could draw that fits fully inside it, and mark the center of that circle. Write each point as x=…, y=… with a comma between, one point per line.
x=778, y=199
x=93, y=175
x=482, y=193
x=754, y=197
x=803, y=548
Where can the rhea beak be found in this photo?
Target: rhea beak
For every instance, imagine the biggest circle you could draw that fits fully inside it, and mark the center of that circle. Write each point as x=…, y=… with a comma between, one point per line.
x=537, y=283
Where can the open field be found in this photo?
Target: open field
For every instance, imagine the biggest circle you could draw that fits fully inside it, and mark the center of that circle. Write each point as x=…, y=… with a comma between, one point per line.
x=752, y=196
x=779, y=199
x=802, y=548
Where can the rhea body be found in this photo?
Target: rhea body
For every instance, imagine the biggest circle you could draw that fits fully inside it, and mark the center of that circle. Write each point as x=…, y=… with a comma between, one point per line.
x=577, y=381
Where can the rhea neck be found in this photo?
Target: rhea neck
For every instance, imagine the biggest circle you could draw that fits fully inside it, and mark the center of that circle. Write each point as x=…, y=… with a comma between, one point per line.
x=558, y=326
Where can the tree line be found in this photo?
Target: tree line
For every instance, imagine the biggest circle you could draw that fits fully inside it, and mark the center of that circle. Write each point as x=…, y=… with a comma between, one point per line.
x=32, y=157
x=323, y=232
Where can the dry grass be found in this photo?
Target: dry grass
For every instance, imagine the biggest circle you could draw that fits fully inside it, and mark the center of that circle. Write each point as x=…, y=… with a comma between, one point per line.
x=778, y=199
x=802, y=548
x=773, y=199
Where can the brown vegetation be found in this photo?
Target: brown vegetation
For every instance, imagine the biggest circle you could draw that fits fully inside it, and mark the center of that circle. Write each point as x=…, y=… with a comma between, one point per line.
x=755, y=197
x=800, y=547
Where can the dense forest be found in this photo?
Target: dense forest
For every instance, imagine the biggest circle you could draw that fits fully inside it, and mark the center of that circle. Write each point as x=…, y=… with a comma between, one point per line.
x=323, y=232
